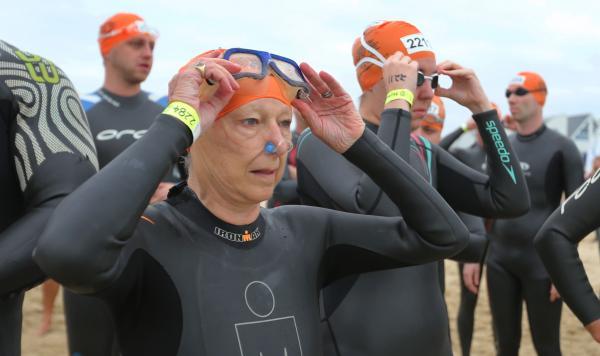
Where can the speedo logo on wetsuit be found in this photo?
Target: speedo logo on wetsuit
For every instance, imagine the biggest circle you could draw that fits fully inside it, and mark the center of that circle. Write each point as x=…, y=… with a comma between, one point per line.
x=492, y=129
x=112, y=134
x=233, y=237
x=579, y=192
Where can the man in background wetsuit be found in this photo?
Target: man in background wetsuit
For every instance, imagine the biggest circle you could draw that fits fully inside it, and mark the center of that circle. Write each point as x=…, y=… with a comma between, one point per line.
x=119, y=114
x=402, y=311
x=552, y=166
x=46, y=151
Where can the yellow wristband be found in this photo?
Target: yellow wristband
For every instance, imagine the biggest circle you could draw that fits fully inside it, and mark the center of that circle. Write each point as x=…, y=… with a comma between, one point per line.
x=184, y=112
x=398, y=94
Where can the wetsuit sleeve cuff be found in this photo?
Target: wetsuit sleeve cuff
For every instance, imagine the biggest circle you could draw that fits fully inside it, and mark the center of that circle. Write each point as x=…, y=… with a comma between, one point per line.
x=395, y=114
x=486, y=115
x=362, y=145
x=169, y=121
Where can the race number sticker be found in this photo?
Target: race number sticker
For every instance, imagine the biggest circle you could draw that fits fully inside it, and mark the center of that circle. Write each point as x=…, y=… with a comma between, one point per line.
x=518, y=80
x=434, y=110
x=416, y=43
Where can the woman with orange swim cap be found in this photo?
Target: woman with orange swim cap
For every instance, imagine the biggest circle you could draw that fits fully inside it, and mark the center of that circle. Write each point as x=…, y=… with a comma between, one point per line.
x=209, y=272
x=402, y=311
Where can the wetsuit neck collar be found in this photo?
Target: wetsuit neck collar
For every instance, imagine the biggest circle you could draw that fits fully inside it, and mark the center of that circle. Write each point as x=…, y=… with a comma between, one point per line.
x=533, y=135
x=123, y=102
x=186, y=202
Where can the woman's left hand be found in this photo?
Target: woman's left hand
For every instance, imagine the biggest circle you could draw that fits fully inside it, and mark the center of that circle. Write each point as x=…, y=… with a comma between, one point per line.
x=330, y=112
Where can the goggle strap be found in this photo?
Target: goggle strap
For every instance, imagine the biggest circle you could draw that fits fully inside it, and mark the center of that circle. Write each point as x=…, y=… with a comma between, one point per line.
x=141, y=26
x=372, y=50
x=369, y=60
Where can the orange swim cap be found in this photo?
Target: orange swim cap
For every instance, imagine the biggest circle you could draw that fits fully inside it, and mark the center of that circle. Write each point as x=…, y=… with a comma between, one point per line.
x=534, y=83
x=271, y=86
x=435, y=115
x=252, y=89
x=381, y=41
x=121, y=27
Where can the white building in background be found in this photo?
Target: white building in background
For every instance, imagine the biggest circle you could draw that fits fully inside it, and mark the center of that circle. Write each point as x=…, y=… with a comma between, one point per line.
x=583, y=129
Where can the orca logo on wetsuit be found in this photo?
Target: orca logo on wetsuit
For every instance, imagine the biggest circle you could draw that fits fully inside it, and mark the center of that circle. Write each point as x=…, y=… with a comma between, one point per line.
x=501, y=149
x=282, y=332
x=579, y=192
x=112, y=134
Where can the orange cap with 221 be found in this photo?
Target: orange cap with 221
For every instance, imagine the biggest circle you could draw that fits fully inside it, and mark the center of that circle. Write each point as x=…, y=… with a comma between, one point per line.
x=380, y=41
x=121, y=27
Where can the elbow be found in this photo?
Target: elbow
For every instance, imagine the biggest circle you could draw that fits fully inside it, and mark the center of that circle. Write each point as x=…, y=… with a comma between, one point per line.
x=461, y=239
x=62, y=258
x=523, y=205
x=515, y=206
x=540, y=240
x=452, y=239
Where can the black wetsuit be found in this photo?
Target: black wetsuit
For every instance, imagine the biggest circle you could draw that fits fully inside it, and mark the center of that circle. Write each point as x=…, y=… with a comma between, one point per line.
x=552, y=165
x=556, y=243
x=401, y=311
x=116, y=122
x=180, y=281
x=46, y=151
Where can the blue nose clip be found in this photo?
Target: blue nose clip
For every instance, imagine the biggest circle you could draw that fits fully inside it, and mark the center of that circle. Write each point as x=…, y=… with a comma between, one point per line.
x=270, y=148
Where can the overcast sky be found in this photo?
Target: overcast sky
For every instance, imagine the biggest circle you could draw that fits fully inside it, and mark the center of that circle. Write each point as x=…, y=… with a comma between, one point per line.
x=558, y=39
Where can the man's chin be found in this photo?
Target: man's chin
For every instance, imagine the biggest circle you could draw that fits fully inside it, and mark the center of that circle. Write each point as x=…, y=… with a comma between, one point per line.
x=138, y=78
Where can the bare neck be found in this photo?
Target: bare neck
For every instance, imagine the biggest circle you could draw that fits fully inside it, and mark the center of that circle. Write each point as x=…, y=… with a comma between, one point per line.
x=221, y=206
x=528, y=127
x=116, y=84
x=369, y=110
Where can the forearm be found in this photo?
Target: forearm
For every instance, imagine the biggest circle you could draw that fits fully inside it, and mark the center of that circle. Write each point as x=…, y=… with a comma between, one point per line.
x=566, y=270
x=394, y=131
x=440, y=225
x=503, y=193
x=82, y=243
x=18, y=271
x=58, y=176
x=478, y=241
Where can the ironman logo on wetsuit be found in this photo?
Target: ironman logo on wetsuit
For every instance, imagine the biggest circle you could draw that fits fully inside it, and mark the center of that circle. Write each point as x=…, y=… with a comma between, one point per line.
x=490, y=127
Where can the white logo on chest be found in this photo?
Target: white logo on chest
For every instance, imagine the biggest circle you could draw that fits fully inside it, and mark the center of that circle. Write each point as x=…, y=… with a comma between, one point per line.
x=266, y=337
x=112, y=134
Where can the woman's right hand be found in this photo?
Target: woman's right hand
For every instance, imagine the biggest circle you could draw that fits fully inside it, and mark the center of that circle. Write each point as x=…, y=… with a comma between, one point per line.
x=400, y=72
x=185, y=85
